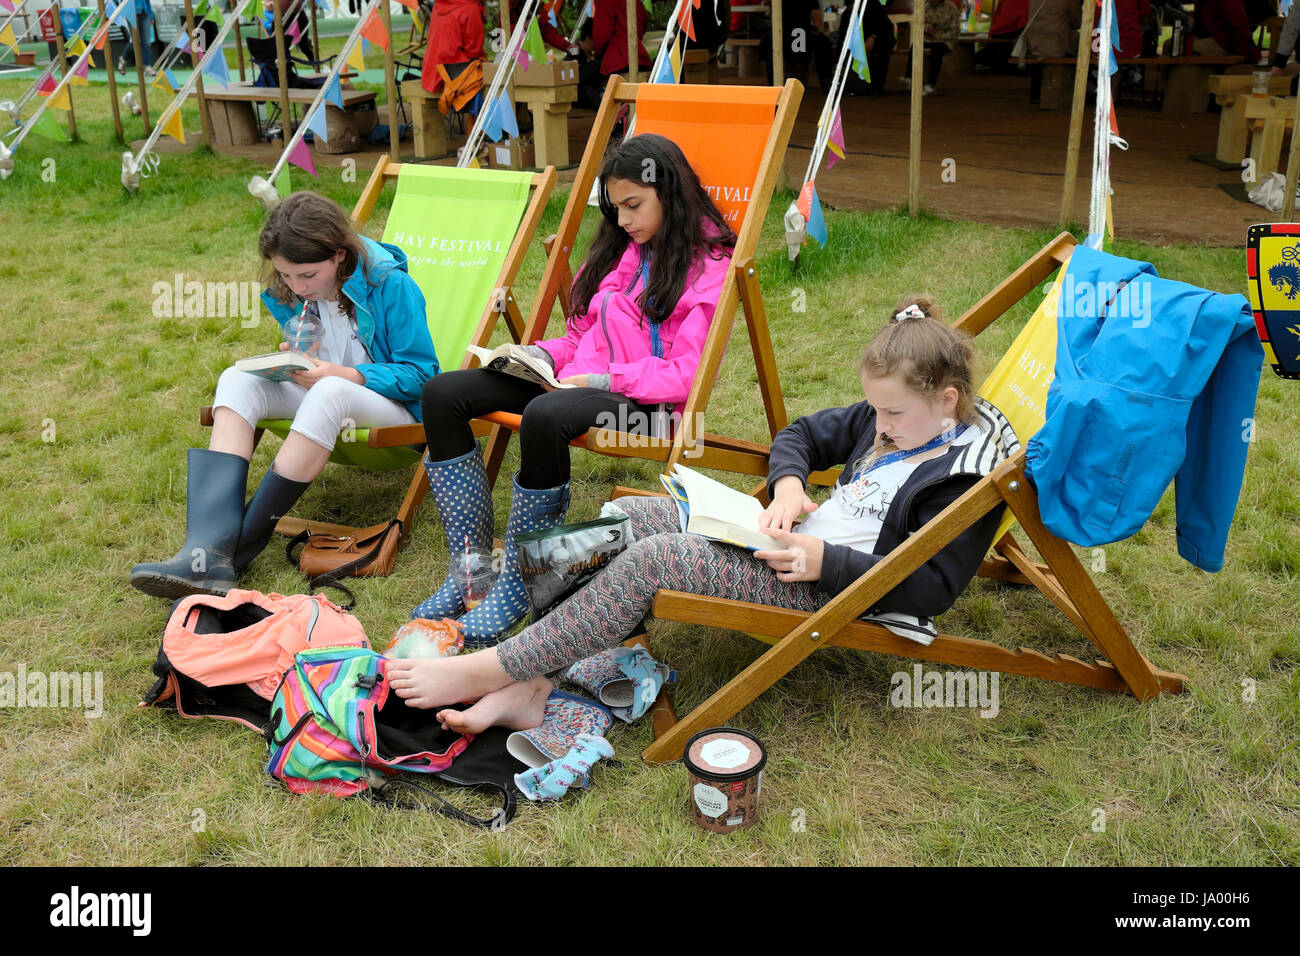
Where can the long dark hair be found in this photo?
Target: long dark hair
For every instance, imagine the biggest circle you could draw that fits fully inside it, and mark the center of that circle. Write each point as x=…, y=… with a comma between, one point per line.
x=654, y=161
x=308, y=227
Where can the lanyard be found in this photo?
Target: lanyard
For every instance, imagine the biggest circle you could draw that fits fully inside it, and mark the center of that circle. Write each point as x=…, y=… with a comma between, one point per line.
x=896, y=456
x=656, y=346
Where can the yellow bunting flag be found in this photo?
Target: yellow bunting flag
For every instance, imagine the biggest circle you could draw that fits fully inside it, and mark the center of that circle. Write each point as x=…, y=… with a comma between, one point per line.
x=175, y=129
x=675, y=58
x=161, y=81
x=473, y=163
x=77, y=47
x=61, y=100
x=355, y=60
x=7, y=36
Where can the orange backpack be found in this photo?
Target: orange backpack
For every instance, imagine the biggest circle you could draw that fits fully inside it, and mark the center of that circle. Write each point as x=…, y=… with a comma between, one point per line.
x=223, y=657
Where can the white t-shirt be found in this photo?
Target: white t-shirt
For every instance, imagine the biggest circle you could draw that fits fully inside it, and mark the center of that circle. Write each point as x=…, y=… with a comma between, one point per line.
x=340, y=344
x=855, y=512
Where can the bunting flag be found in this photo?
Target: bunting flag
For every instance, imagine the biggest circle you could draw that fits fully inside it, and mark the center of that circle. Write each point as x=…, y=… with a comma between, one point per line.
x=293, y=32
x=182, y=42
x=675, y=57
x=46, y=85
x=282, y=185
x=687, y=21
x=120, y=15
x=201, y=10
x=7, y=36
x=333, y=94
x=216, y=69
x=412, y=5
x=171, y=79
x=100, y=36
x=664, y=72
x=474, y=163
x=46, y=125
x=533, y=41
x=317, y=125
x=355, y=60
x=1110, y=227
x=164, y=81
x=374, y=29
x=300, y=156
x=491, y=122
x=858, y=50
x=7, y=5
x=550, y=18
x=835, y=145
x=77, y=47
x=810, y=208
x=80, y=74
x=175, y=128
x=523, y=59
x=61, y=100
x=506, y=115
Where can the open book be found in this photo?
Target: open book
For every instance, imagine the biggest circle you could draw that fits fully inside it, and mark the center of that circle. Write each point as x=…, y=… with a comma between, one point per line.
x=711, y=509
x=513, y=360
x=276, y=366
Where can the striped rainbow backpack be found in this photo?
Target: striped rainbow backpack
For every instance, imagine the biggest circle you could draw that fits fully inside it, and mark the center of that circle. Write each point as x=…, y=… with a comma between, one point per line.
x=335, y=728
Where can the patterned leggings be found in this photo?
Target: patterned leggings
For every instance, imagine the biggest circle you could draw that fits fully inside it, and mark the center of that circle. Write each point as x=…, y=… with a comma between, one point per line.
x=607, y=610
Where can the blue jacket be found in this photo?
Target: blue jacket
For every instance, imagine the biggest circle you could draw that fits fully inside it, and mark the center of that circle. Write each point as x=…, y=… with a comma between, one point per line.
x=1162, y=387
x=391, y=324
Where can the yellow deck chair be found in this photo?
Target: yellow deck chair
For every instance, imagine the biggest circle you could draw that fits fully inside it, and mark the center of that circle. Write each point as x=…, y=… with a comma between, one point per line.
x=1018, y=386
x=497, y=212
x=735, y=138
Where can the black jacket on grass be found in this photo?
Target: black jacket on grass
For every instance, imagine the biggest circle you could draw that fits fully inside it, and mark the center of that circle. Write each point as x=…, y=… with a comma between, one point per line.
x=842, y=436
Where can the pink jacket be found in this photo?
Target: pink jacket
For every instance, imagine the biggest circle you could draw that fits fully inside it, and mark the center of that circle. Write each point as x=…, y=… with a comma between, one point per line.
x=612, y=337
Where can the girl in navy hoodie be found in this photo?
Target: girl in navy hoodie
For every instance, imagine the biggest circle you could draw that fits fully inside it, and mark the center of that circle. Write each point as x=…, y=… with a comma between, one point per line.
x=919, y=440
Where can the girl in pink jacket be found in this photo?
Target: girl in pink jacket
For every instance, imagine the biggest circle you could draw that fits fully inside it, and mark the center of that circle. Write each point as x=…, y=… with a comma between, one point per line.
x=642, y=304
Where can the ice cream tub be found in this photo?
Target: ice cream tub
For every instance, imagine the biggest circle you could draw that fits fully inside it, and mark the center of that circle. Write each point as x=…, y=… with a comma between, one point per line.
x=725, y=768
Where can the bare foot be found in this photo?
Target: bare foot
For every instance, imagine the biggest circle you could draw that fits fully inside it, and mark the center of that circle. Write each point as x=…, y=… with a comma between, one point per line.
x=438, y=682
x=519, y=706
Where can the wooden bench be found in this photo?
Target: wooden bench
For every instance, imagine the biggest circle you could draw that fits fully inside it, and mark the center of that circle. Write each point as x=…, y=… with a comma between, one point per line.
x=235, y=124
x=430, y=125
x=744, y=50
x=1186, y=83
x=550, y=90
x=699, y=66
x=1241, y=117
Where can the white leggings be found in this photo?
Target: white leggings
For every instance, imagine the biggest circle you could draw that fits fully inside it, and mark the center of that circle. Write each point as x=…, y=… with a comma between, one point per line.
x=319, y=413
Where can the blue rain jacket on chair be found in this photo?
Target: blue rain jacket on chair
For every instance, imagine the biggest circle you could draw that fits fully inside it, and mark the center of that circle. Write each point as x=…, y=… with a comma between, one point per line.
x=1157, y=381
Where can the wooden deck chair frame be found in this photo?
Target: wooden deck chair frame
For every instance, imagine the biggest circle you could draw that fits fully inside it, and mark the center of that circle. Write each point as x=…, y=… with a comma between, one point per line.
x=714, y=451
x=1062, y=579
x=502, y=307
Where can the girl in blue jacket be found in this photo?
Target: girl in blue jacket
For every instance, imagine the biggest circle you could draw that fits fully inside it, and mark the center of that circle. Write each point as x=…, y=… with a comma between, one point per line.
x=375, y=356
x=919, y=440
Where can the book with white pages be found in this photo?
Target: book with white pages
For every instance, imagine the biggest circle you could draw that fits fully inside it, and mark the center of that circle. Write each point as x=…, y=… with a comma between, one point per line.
x=276, y=366
x=709, y=508
x=514, y=360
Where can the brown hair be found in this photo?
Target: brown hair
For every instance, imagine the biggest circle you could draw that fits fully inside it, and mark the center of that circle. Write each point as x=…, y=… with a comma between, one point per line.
x=308, y=227
x=927, y=353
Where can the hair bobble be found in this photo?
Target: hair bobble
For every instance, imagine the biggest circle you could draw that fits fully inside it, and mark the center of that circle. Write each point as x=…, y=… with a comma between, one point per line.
x=913, y=311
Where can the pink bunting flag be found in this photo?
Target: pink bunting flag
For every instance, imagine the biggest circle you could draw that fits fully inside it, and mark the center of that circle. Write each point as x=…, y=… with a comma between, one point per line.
x=523, y=59
x=293, y=32
x=300, y=156
x=836, y=141
x=6, y=5
x=82, y=70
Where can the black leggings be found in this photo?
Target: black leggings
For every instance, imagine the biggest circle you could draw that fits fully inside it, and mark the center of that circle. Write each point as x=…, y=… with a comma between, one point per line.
x=550, y=419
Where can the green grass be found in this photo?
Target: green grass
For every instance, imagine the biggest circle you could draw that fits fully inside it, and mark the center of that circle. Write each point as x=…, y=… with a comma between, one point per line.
x=1197, y=779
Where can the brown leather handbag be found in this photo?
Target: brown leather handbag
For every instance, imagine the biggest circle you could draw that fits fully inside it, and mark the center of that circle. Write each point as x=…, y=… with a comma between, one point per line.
x=326, y=558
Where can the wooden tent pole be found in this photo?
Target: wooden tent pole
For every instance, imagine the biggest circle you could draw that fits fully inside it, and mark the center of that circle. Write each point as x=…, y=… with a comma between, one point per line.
x=633, y=61
x=139, y=75
x=1077, y=105
x=1292, y=169
x=390, y=83
x=282, y=69
x=204, y=120
x=778, y=46
x=63, y=61
x=239, y=51
x=110, y=63
x=914, y=141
